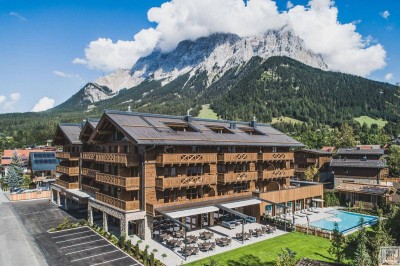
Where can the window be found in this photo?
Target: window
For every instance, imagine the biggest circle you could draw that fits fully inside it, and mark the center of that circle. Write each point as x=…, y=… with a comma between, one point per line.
x=181, y=127
x=274, y=149
x=191, y=193
x=220, y=129
x=239, y=187
x=221, y=168
x=252, y=131
x=268, y=210
x=194, y=170
x=118, y=135
x=238, y=168
x=170, y=171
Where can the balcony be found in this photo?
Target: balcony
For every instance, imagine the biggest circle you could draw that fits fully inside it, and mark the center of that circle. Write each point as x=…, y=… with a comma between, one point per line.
x=185, y=181
x=90, y=189
x=278, y=156
x=237, y=157
x=67, y=156
x=117, y=158
x=237, y=177
x=117, y=203
x=129, y=183
x=67, y=184
x=88, y=156
x=89, y=172
x=186, y=158
x=278, y=173
x=71, y=171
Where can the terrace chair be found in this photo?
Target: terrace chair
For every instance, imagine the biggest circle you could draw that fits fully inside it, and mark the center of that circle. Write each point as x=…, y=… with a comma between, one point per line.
x=188, y=252
x=213, y=246
x=238, y=235
x=195, y=251
x=251, y=232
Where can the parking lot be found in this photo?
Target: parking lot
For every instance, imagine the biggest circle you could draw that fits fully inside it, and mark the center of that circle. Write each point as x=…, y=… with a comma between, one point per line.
x=82, y=246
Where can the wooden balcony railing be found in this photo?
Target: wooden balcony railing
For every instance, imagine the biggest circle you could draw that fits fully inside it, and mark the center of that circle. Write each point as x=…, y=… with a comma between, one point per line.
x=117, y=203
x=186, y=158
x=90, y=189
x=278, y=156
x=71, y=171
x=276, y=173
x=237, y=177
x=88, y=155
x=129, y=183
x=67, y=185
x=67, y=156
x=118, y=158
x=89, y=172
x=185, y=181
x=237, y=157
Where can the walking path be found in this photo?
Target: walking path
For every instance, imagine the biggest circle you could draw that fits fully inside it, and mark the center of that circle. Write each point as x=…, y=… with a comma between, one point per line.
x=17, y=246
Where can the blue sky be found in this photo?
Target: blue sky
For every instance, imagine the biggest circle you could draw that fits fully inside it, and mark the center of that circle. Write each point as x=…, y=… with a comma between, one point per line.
x=40, y=39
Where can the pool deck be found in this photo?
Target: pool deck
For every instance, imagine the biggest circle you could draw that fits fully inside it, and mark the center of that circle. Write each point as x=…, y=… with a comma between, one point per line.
x=324, y=213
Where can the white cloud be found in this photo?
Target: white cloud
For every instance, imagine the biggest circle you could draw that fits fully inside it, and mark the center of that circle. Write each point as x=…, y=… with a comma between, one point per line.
x=17, y=15
x=340, y=45
x=8, y=103
x=389, y=76
x=385, y=14
x=43, y=104
x=66, y=75
x=289, y=5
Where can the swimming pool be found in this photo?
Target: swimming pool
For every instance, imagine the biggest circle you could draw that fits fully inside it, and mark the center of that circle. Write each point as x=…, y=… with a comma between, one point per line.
x=347, y=221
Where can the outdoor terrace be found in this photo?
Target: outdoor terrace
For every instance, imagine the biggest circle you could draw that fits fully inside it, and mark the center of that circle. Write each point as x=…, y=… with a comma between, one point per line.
x=89, y=172
x=266, y=174
x=117, y=158
x=67, y=185
x=67, y=156
x=237, y=157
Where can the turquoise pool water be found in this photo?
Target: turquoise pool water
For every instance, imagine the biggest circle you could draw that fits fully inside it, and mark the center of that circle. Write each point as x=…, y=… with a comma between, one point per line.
x=346, y=221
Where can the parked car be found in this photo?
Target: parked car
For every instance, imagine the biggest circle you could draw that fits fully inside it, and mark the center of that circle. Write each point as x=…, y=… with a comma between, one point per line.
x=17, y=190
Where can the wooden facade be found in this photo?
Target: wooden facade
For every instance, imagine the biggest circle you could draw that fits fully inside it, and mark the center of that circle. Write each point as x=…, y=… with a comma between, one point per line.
x=304, y=159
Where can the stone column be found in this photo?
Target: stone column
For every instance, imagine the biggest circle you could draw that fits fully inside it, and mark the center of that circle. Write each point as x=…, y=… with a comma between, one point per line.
x=66, y=203
x=123, y=226
x=211, y=218
x=58, y=199
x=90, y=214
x=147, y=227
x=105, y=221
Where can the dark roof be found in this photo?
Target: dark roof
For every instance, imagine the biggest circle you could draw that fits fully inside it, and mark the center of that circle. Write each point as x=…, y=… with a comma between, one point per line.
x=93, y=122
x=364, y=188
x=345, y=151
x=316, y=151
x=356, y=163
x=43, y=161
x=71, y=132
x=152, y=129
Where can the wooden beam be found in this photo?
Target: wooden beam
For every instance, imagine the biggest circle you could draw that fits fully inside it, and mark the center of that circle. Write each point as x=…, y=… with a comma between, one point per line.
x=104, y=132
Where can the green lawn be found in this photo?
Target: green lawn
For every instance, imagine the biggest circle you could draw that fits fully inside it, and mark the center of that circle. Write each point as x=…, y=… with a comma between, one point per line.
x=265, y=252
x=207, y=112
x=369, y=120
x=286, y=119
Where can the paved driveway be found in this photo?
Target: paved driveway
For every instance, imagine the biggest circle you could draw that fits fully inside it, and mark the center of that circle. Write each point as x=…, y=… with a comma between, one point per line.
x=82, y=246
x=67, y=247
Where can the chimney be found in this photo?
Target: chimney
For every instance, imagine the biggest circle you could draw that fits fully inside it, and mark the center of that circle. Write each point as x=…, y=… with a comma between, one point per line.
x=254, y=122
x=188, y=118
x=129, y=108
x=232, y=125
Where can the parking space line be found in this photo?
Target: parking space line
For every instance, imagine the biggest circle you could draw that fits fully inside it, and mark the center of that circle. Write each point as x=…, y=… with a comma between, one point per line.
x=82, y=243
x=87, y=249
x=101, y=254
x=54, y=237
x=74, y=239
x=109, y=261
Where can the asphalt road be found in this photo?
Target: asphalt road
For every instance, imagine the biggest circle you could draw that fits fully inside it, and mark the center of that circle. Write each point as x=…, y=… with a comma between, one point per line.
x=17, y=246
x=76, y=247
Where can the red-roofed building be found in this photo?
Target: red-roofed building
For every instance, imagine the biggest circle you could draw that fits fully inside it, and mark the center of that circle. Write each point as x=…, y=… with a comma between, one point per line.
x=6, y=158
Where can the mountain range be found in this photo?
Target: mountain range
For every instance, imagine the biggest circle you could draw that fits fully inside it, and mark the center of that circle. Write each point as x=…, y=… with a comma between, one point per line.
x=266, y=76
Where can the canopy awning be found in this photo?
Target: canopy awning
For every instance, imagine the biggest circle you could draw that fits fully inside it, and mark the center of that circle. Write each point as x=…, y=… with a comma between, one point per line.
x=318, y=200
x=192, y=212
x=241, y=203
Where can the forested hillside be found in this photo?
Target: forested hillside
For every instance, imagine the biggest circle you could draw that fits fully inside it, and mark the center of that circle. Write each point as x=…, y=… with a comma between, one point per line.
x=278, y=86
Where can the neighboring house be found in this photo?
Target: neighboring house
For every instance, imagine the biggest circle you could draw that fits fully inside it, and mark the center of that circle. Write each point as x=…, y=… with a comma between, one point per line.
x=312, y=157
x=22, y=153
x=361, y=169
x=41, y=165
x=139, y=169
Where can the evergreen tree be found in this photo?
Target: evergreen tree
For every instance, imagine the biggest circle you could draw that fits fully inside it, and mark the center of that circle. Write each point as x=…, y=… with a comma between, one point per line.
x=393, y=222
x=394, y=160
x=344, y=137
x=14, y=177
x=337, y=244
x=361, y=256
